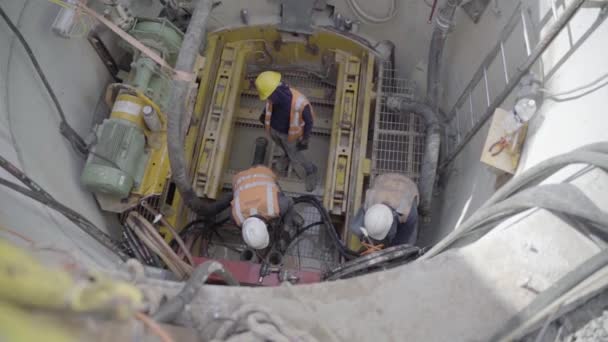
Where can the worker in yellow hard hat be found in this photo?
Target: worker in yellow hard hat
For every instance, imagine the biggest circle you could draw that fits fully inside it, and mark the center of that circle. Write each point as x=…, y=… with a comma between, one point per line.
x=288, y=118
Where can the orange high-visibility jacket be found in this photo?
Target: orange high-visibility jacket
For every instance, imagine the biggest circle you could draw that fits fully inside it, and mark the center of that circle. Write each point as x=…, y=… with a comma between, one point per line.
x=395, y=190
x=296, y=122
x=255, y=192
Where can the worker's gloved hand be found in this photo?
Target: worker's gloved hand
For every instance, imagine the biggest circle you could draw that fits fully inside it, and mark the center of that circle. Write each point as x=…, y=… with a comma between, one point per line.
x=302, y=144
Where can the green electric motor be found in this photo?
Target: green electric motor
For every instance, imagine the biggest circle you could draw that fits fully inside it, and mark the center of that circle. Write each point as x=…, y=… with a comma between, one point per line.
x=117, y=162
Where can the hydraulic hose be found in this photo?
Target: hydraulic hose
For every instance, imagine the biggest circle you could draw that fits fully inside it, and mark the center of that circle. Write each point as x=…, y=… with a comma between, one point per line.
x=520, y=323
x=195, y=35
x=502, y=203
x=558, y=198
x=340, y=246
x=169, y=310
x=86, y=225
x=64, y=127
x=428, y=172
x=593, y=154
x=299, y=233
x=430, y=110
x=428, y=168
x=443, y=21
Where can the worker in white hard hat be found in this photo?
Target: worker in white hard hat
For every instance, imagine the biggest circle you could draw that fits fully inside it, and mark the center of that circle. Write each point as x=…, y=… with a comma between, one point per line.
x=257, y=200
x=288, y=119
x=389, y=215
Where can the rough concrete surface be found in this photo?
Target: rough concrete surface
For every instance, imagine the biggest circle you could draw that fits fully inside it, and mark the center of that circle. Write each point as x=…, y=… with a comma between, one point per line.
x=464, y=294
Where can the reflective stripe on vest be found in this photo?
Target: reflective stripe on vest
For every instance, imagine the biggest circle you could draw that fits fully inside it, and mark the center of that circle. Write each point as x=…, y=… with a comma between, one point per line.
x=255, y=193
x=236, y=211
x=247, y=177
x=395, y=190
x=296, y=122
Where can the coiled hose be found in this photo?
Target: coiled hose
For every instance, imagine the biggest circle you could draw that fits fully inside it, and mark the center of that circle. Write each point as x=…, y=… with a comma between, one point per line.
x=510, y=199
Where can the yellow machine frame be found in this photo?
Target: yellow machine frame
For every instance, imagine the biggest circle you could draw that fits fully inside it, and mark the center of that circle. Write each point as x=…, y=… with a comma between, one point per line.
x=208, y=138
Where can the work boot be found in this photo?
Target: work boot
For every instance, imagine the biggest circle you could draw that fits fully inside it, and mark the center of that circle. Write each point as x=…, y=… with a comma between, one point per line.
x=311, y=179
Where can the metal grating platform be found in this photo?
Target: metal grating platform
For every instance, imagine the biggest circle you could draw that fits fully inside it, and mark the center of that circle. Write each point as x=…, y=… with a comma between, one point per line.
x=398, y=144
x=153, y=201
x=247, y=127
x=314, y=249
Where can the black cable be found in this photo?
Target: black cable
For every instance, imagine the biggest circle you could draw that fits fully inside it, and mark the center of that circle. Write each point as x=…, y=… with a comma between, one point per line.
x=342, y=249
x=15, y=172
x=37, y=193
x=71, y=215
x=66, y=130
x=141, y=247
x=191, y=226
x=302, y=231
x=136, y=253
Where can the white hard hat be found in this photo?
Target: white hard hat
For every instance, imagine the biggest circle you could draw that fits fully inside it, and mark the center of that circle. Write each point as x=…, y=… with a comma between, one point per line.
x=378, y=221
x=255, y=233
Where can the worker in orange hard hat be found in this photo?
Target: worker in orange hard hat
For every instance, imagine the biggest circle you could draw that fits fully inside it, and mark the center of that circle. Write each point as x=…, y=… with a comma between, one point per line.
x=288, y=119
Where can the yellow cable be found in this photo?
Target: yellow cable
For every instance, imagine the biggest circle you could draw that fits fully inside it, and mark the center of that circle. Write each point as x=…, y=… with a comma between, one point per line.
x=25, y=281
x=61, y=3
x=155, y=327
x=17, y=324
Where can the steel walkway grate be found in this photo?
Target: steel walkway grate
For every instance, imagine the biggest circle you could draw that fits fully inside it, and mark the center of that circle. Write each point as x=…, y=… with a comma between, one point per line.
x=314, y=249
x=398, y=144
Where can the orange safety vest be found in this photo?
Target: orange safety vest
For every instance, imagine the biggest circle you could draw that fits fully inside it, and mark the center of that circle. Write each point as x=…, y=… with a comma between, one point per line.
x=296, y=122
x=255, y=192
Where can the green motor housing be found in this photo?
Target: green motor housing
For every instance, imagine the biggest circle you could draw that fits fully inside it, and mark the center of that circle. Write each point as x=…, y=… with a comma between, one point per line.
x=117, y=162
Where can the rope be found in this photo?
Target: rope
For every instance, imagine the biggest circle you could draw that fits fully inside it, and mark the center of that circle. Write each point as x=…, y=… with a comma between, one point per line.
x=254, y=323
x=81, y=7
x=154, y=327
x=371, y=248
x=152, y=239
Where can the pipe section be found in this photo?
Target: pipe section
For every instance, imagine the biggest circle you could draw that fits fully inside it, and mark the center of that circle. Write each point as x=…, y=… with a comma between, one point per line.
x=443, y=22
x=428, y=169
x=430, y=111
x=259, y=154
x=194, y=37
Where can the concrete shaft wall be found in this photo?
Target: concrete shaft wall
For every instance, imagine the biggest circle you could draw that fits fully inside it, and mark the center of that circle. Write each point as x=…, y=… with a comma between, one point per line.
x=558, y=127
x=29, y=129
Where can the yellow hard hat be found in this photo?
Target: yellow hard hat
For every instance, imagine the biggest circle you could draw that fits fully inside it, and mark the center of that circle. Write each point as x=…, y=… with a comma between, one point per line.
x=266, y=83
